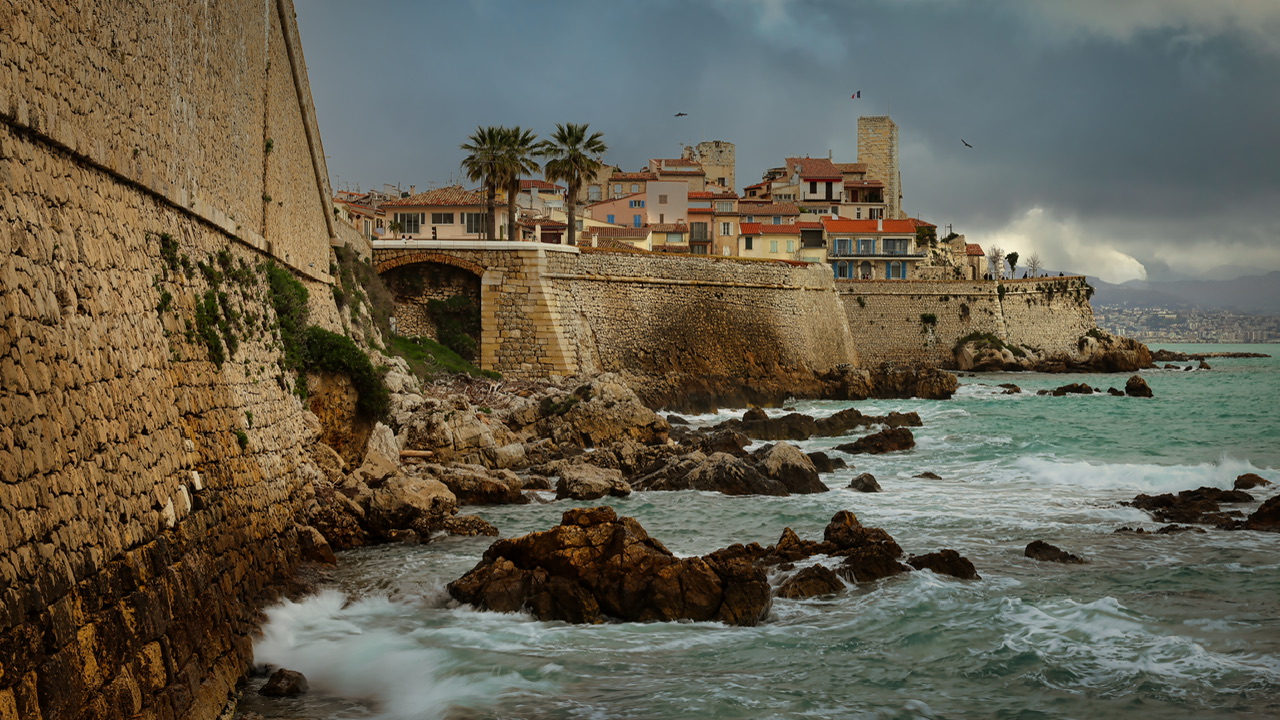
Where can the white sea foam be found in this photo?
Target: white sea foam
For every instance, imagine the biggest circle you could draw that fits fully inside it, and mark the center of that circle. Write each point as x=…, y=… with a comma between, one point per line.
x=368, y=649
x=1137, y=477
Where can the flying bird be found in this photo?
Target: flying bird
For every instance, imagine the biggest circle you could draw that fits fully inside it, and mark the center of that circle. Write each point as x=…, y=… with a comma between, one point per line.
x=681, y=114
x=965, y=143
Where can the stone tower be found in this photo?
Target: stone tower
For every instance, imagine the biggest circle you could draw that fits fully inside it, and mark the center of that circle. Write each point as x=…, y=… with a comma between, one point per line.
x=878, y=148
x=719, y=160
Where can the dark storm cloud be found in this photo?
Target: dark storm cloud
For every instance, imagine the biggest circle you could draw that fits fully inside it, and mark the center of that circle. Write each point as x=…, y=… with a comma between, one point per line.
x=1108, y=136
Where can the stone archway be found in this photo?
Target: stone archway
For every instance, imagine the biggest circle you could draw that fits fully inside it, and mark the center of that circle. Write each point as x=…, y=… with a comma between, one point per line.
x=437, y=296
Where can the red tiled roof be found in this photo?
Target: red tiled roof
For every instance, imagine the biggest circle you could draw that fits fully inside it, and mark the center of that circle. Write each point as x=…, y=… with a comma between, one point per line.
x=769, y=229
x=973, y=249
x=540, y=184
x=851, y=167
x=451, y=195
x=863, y=183
x=810, y=225
x=764, y=183
x=814, y=168
x=645, y=175
x=676, y=162
x=702, y=211
x=920, y=223
x=709, y=194
x=751, y=207
x=669, y=227
x=637, y=233
x=544, y=222
x=663, y=171
x=614, y=244
x=869, y=226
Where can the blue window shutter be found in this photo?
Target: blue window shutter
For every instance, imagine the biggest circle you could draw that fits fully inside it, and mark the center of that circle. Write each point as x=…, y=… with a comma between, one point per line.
x=635, y=221
x=609, y=218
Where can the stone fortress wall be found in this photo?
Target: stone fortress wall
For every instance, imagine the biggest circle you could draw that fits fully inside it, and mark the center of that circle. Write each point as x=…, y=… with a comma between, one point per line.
x=147, y=493
x=907, y=321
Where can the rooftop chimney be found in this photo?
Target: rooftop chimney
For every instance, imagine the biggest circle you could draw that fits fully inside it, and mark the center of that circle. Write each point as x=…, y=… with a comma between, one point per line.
x=879, y=224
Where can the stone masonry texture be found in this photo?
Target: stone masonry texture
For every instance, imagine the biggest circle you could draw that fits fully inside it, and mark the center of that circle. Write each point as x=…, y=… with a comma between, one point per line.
x=147, y=493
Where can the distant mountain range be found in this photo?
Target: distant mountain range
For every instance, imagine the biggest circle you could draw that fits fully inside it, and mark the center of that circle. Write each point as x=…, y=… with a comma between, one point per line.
x=1253, y=294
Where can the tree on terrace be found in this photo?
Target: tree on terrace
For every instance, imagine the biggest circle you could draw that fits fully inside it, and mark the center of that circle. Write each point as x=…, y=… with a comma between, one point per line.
x=1034, y=264
x=516, y=160
x=1013, y=263
x=574, y=157
x=484, y=165
x=995, y=260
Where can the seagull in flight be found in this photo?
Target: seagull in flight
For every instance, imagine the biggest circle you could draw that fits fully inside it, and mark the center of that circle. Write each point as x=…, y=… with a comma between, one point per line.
x=965, y=143
x=681, y=114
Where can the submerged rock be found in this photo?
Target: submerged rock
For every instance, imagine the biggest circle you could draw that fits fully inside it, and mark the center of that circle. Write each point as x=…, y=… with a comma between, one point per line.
x=1266, y=517
x=1137, y=387
x=813, y=581
x=285, y=683
x=885, y=441
x=1044, y=552
x=1249, y=481
x=945, y=562
x=825, y=463
x=866, y=482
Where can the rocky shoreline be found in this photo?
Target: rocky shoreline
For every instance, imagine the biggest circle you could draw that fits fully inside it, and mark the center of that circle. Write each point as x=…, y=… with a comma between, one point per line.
x=1096, y=351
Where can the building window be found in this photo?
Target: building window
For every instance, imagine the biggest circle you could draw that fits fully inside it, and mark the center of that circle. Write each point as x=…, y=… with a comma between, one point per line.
x=746, y=243
x=842, y=269
x=791, y=246
x=698, y=232
x=749, y=218
x=474, y=221
x=777, y=220
x=635, y=221
x=724, y=206
x=699, y=249
x=410, y=223
x=875, y=213
x=866, y=246
x=441, y=218
x=635, y=187
x=844, y=247
x=726, y=228
x=609, y=219
x=662, y=199
x=895, y=246
x=773, y=246
x=593, y=193
x=895, y=270
x=367, y=229
x=857, y=213
x=813, y=187
x=617, y=190
x=637, y=203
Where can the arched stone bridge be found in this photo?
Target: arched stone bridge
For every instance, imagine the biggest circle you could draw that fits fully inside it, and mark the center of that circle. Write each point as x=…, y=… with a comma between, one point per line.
x=520, y=331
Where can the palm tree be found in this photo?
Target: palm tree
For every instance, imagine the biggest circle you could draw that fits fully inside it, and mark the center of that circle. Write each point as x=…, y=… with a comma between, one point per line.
x=574, y=157
x=483, y=165
x=517, y=151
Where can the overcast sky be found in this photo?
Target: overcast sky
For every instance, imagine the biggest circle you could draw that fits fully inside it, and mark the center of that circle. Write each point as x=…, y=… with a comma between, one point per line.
x=1123, y=138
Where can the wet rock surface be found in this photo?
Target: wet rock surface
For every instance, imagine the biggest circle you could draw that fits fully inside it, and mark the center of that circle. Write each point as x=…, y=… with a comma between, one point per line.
x=1044, y=552
x=1095, y=351
x=596, y=566
x=866, y=482
x=285, y=683
x=885, y=441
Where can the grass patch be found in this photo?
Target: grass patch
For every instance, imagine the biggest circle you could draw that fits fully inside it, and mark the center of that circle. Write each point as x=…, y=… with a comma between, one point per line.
x=330, y=352
x=427, y=358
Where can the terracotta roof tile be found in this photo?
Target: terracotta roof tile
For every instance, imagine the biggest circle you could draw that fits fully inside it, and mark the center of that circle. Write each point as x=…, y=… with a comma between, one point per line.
x=541, y=185
x=810, y=225
x=769, y=229
x=676, y=162
x=701, y=211
x=973, y=249
x=665, y=171
x=851, y=167
x=751, y=207
x=863, y=183
x=669, y=227
x=637, y=233
x=450, y=195
x=869, y=226
x=814, y=168
x=645, y=175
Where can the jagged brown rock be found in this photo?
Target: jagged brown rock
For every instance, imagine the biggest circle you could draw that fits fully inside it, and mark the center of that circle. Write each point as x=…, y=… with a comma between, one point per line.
x=885, y=441
x=588, y=482
x=1137, y=387
x=813, y=581
x=945, y=562
x=285, y=683
x=1248, y=481
x=596, y=565
x=866, y=482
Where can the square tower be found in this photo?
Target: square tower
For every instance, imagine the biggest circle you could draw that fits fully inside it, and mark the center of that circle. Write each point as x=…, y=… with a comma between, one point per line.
x=878, y=149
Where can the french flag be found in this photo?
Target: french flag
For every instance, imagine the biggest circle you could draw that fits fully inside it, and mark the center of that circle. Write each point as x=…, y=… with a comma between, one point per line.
x=857, y=95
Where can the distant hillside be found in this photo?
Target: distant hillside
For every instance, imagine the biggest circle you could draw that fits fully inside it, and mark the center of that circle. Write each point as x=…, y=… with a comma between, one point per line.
x=1256, y=293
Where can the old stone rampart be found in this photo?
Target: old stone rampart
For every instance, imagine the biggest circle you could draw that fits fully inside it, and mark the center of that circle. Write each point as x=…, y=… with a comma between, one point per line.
x=149, y=152
x=696, y=315
x=909, y=321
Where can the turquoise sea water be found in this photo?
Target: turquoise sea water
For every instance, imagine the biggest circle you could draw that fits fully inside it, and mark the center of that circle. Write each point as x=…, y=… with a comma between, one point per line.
x=1180, y=626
